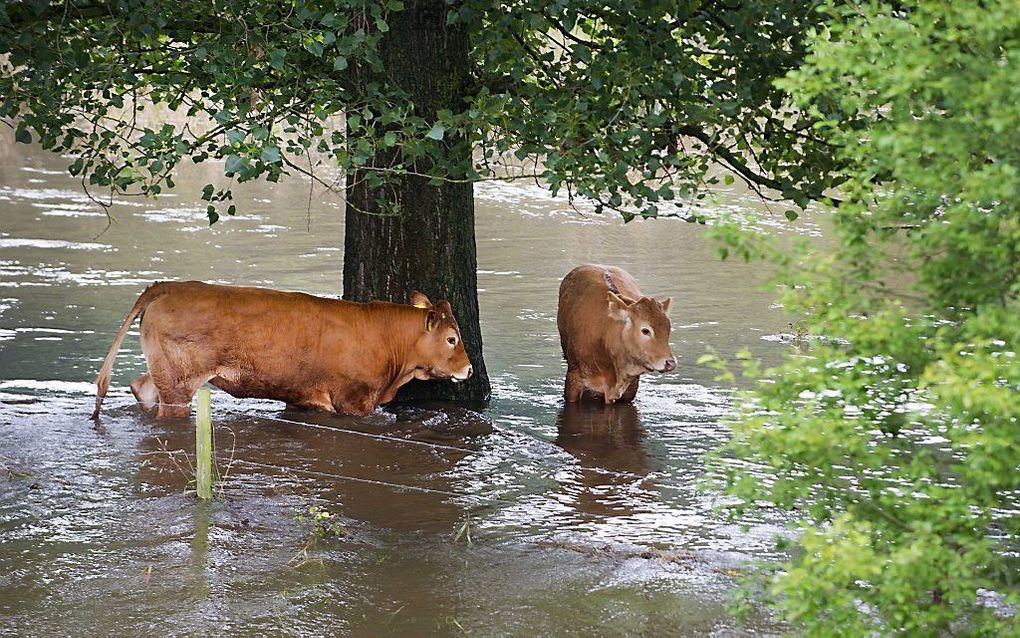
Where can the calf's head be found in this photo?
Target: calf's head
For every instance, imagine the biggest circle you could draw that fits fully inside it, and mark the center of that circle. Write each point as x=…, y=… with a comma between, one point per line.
x=645, y=331
x=439, y=348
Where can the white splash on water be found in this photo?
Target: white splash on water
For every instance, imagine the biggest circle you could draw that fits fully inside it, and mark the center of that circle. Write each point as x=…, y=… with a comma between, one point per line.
x=19, y=242
x=62, y=387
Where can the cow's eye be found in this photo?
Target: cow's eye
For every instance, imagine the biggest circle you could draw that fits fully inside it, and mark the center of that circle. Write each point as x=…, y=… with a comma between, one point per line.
x=646, y=332
x=451, y=340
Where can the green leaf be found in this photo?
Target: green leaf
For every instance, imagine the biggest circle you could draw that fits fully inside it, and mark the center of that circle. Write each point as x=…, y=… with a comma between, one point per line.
x=791, y=214
x=436, y=132
x=271, y=154
x=276, y=58
x=234, y=164
x=22, y=135
x=148, y=139
x=339, y=63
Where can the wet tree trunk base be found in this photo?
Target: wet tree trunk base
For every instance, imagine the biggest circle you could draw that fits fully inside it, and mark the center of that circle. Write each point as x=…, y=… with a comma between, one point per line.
x=429, y=245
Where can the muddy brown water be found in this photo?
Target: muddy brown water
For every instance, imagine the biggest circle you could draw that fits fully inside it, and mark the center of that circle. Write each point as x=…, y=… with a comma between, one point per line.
x=584, y=521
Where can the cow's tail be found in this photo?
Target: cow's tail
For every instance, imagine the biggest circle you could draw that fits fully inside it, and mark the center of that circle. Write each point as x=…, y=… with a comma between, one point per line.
x=103, y=380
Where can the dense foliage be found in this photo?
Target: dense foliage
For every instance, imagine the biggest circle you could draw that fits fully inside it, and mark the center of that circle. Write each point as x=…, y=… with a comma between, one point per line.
x=627, y=104
x=895, y=436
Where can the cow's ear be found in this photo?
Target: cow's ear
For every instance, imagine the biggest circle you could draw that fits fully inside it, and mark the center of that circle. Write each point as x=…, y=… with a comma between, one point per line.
x=419, y=300
x=431, y=319
x=666, y=303
x=618, y=307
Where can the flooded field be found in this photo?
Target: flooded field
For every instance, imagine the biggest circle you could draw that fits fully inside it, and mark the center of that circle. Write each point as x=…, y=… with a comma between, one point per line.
x=584, y=521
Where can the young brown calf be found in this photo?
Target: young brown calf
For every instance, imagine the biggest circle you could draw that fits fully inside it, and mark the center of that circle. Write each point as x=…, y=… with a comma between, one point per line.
x=611, y=334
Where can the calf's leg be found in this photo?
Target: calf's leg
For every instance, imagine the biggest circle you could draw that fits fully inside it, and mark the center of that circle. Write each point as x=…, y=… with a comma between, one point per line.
x=573, y=387
x=631, y=391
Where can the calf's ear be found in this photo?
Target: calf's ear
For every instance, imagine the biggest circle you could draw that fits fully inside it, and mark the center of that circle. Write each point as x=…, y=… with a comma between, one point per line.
x=419, y=300
x=618, y=307
x=666, y=303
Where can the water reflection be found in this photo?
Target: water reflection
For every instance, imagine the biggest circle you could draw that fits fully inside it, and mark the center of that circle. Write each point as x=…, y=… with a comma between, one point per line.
x=604, y=436
x=396, y=480
x=608, y=441
x=200, y=551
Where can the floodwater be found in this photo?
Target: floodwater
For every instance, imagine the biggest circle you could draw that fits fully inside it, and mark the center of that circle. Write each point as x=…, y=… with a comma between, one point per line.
x=559, y=521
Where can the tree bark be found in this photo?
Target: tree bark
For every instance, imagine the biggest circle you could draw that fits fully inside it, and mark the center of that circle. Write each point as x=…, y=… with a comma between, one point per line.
x=430, y=244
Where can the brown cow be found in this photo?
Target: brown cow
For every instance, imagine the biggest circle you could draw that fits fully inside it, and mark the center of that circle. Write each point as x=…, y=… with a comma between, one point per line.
x=611, y=334
x=313, y=352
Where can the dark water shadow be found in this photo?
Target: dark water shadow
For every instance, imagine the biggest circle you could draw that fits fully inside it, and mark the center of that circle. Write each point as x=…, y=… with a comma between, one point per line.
x=610, y=437
x=609, y=443
x=425, y=420
x=387, y=470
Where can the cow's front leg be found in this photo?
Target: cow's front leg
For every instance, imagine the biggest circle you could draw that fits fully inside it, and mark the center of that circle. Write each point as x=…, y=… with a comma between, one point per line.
x=316, y=400
x=354, y=408
x=356, y=399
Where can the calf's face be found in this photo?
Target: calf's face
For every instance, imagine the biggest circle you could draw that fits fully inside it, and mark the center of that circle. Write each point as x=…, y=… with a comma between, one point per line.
x=440, y=350
x=645, y=333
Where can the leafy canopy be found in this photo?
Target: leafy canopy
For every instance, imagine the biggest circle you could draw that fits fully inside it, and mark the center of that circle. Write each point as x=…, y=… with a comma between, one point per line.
x=626, y=103
x=896, y=437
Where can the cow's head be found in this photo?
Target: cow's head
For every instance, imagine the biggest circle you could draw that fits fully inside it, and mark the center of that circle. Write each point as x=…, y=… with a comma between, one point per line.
x=645, y=331
x=440, y=350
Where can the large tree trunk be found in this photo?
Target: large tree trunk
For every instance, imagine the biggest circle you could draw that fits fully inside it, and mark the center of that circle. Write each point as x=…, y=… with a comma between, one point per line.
x=430, y=245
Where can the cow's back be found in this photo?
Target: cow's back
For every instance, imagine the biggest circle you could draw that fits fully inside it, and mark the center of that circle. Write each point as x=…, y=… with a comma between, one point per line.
x=215, y=317
x=269, y=341
x=583, y=310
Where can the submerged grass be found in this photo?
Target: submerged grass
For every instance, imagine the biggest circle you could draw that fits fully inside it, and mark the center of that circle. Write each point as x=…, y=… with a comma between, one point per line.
x=10, y=473
x=324, y=525
x=182, y=463
x=464, y=532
